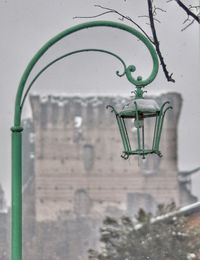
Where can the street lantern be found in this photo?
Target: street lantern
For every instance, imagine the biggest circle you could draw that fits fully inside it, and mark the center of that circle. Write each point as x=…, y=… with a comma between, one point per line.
x=139, y=110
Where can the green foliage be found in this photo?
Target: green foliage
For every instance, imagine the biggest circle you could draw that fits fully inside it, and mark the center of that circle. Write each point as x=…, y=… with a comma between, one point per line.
x=165, y=239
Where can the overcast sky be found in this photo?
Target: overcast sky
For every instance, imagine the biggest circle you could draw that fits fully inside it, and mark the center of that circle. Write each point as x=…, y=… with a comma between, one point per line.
x=26, y=25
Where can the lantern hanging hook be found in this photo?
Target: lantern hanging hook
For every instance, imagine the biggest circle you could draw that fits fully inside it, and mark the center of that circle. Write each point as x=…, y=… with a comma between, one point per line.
x=138, y=92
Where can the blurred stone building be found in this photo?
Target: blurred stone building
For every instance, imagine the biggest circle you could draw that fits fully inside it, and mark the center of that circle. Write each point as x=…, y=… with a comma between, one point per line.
x=74, y=175
x=4, y=228
x=78, y=168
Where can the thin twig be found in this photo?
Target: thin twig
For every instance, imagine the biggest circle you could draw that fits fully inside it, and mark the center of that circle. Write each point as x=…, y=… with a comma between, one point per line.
x=155, y=9
x=93, y=16
x=156, y=42
x=160, y=9
x=186, y=20
x=188, y=25
x=194, y=6
x=146, y=16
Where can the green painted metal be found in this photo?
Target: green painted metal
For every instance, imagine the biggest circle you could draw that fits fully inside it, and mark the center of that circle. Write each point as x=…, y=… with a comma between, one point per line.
x=129, y=70
x=16, y=220
x=20, y=99
x=67, y=55
x=121, y=129
x=160, y=127
x=137, y=126
x=155, y=132
x=126, y=135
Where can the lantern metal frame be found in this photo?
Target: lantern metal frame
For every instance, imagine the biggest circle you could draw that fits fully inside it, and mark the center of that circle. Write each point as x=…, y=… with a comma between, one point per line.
x=139, y=115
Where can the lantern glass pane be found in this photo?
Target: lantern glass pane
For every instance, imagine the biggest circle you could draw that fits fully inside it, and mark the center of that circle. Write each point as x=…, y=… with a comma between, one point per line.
x=141, y=133
x=149, y=131
x=129, y=136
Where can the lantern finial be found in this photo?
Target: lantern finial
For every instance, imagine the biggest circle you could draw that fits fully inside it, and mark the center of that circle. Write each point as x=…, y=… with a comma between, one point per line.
x=138, y=92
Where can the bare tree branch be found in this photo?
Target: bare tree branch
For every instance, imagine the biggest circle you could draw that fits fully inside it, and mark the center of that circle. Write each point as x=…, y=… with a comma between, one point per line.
x=157, y=44
x=153, y=10
x=151, y=18
x=122, y=16
x=188, y=11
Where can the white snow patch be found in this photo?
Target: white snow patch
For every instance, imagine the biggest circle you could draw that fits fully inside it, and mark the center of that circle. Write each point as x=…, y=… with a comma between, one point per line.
x=78, y=121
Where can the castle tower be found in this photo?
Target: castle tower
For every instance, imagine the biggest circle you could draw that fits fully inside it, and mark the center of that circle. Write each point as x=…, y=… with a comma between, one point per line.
x=78, y=168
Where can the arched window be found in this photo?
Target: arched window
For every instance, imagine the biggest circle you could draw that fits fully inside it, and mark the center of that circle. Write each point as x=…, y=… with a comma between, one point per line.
x=88, y=156
x=82, y=203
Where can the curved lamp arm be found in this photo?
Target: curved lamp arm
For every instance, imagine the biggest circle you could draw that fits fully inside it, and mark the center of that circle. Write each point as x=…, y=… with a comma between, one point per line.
x=139, y=82
x=65, y=56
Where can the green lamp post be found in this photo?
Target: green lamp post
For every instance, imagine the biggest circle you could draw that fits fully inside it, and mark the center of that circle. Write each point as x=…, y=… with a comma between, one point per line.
x=133, y=111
